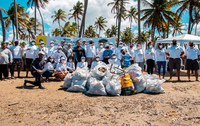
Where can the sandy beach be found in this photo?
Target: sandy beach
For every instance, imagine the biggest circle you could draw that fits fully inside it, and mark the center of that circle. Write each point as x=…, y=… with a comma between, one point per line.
x=180, y=105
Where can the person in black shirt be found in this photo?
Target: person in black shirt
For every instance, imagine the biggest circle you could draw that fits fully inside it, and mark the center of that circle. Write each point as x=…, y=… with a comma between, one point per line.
x=78, y=52
x=37, y=67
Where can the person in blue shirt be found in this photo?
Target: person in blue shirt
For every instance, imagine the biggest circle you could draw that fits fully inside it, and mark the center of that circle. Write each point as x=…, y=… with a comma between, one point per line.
x=107, y=54
x=126, y=58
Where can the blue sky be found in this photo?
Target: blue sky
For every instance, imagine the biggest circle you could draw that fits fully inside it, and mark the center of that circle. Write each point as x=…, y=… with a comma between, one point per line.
x=52, y=5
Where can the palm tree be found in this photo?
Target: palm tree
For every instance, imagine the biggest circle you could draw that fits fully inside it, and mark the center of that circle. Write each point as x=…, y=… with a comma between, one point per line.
x=177, y=27
x=157, y=14
x=2, y=23
x=108, y=33
x=16, y=18
x=69, y=30
x=77, y=11
x=114, y=30
x=127, y=35
x=22, y=19
x=197, y=19
x=144, y=38
x=58, y=16
x=190, y=5
x=100, y=24
x=119, y=8
x=132, y=15
x=56, y=32
x=82, y=28
x=37, y=4
x=90, y=32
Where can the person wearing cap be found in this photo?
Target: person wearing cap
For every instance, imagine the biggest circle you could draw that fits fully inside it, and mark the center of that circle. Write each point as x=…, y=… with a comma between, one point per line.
x=90, y=53
x=64, y=49
x=17, y=53
x=192, y=55
x=82, y=64
x=114, y=61
x=150, y=58
x=43, y=49
x=69, y=50
x=175, y=52
x=37, y=71
x=96, y=62
x=139, y=56
x=70, y=64
x=160, y=57
x=78, y=52
x=6, y=58
x=107, y=54
x=30, y=52
x=131, y=51
x=100, y=51
x=61, y=69
x=58, y=54
x=51, y=49
x=49, y=68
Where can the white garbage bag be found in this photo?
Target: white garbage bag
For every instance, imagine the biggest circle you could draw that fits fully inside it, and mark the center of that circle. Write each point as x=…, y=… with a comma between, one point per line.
x=79, y=80
x=140, y=85
x=67, y=81
x=153, y=84
x=99, y=71
x=135, y=72
x=112, y=84
x=96, y=87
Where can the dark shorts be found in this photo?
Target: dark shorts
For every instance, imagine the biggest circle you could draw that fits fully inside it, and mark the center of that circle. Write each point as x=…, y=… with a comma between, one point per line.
x=28, y=63
x=192, y=64
x=174, y=63
x=17, y=62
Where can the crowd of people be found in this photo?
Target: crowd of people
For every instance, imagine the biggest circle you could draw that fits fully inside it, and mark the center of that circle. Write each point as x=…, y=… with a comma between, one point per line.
x=57, y=61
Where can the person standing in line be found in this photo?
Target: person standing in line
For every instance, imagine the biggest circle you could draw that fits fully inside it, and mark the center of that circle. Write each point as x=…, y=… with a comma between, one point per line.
x=100, y=51
x=70, y=51
x=139, y=56
x=84, y=44
x=160, y=55
x=118, y=51
x=175, y=52
x=58, y=54
x=107, y=54
x=131, y=52
x=43, y=49
x=78, y=52
x=150, y=58
x=51, y=49
x=192, y=56
x=5, y=59
x=63, y=45
x=90, y=53
x=17, y=53
x=37, y=67
x=30, y=55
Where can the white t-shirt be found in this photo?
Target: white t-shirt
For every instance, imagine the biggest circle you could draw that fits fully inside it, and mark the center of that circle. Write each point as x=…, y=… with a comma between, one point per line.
x=115, y=62
x=139, y=56
x=94, y=64
x=58, y=55
x=51, y=51
x=30, y=51
x=44, y=49
x=160, y=55
x=82, y=65
x=192, y=53
x=100, y=53
x=48, y=66
x=150, y=54
x=17, y=52
x=61, y=67
x=71, y=66
x=69, y=52
x=132, y=53
x=175, y=52
x=90, y=51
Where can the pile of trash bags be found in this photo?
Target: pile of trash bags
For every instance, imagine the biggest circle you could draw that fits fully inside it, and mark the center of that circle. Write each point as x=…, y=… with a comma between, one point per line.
x=102, y=81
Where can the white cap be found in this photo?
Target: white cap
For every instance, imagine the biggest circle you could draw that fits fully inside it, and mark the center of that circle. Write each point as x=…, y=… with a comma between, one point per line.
x=52, y=42
x=41, y=52
x=62, y=58
x=41, y=42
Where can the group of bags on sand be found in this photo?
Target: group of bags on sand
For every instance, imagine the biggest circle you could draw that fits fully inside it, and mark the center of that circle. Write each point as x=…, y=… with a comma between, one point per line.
x=107, y=80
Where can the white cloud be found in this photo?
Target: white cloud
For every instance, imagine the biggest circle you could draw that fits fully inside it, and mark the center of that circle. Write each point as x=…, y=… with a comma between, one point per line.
x=96, y=8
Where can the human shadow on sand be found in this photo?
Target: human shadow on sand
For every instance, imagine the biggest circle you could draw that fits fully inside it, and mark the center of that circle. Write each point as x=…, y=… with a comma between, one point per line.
x=25, y=87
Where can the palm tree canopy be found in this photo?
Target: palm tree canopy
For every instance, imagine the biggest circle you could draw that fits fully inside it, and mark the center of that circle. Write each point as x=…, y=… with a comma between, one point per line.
x=90, y=32
x=132, y=14
x=77, y=11
x=100, y=23
x=39, y=3
x=59, y=15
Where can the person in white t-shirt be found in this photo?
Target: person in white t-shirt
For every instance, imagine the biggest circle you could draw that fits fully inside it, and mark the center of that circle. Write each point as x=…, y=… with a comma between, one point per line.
x=100, y=51
x=114, y=61
x=118, y=51
x=160, y=57
x=90, y=53
x=43, y=49
x=17, y=53
x=82, y=64
x=70, y=64
x=51, y=49
x=131, y=51
x=49, y=68
x=96, y=62
x=175, y=52
x=150, y=58
x=58, y=54
x=30, y=52
x=139, y=56
x=192, y=55
x=70, y=51
x=61, y=69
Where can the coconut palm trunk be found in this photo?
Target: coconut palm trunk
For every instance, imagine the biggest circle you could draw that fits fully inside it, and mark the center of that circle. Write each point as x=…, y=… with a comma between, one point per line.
x=43, y=31
x=13, y=28
x=82, y=28
x=3, y=26
x=16, y=19
x=35, y=28
x=190, y=20
x=139, y=29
